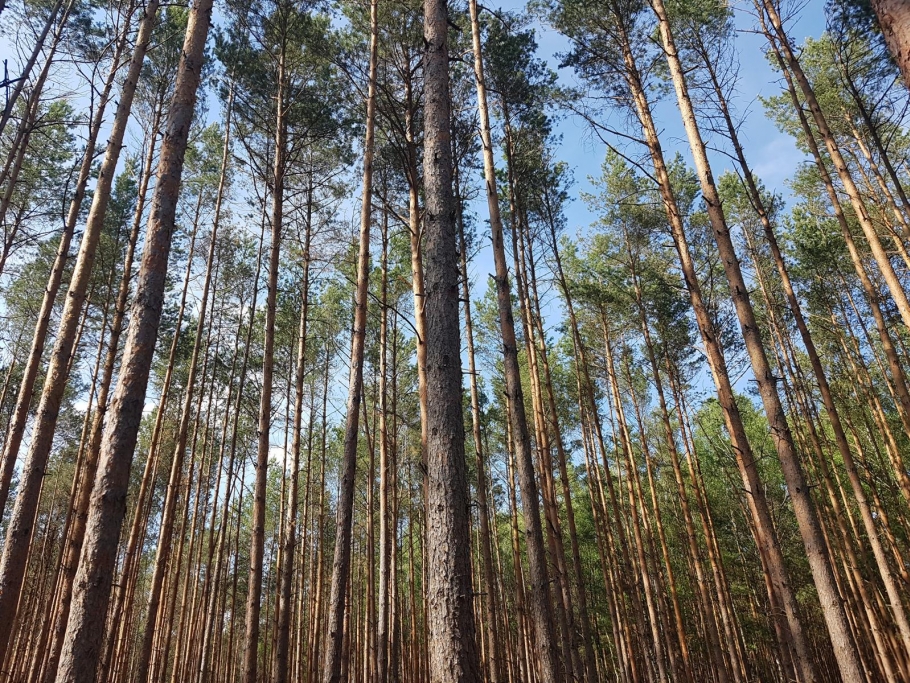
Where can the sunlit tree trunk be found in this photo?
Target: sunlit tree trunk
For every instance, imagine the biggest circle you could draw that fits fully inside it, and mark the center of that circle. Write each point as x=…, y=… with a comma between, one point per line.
x=341, y=564
x=15, y=549
x=13, y=97
x=85, y=629
x=541, y=617
x=800, y=495
x=894, y=18
x=782, y=41
x=769, y=546
x=16, y=429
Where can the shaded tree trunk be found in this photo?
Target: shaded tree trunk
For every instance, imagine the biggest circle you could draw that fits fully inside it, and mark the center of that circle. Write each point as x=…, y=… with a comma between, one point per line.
x=341, y=564
x=453, y=656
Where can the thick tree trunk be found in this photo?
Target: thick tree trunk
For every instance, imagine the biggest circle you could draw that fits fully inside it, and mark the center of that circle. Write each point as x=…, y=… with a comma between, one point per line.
x=90, y=465
x=85, y=629
x=894, y=18
x=453, y=656
x=123, y=604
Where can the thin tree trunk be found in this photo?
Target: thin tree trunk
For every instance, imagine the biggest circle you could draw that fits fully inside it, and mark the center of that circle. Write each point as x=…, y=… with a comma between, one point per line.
x=257, y=537
x=766, y=538
x=13, y=97
x=386, y=541
x=16, y=429
x=494, y=649
x=341, y=564
x=15, y=550
x=780, y=37
x=900, y=388
x=282, y=647
x=85, y=629
x=541, y=608
x=800, y=495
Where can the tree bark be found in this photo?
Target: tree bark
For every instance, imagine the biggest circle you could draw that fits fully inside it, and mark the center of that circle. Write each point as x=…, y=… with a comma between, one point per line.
x=494, y=651
x=766, y=537
x=779, y=36
x=453, y=656
x=806, y=515
x=166, y=527
x=85, y=629
x=341, y=564
x=894, y=18
x=289, y=536
x=541, y=608
x=15, y=550
x=16, y=428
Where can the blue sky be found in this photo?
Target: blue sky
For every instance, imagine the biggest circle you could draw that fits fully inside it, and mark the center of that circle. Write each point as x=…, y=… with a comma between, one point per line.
x=772, y=154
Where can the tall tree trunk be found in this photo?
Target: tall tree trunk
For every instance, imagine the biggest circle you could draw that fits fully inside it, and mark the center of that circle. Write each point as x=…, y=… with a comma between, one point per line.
x=289, y=536
x=453, y=656
x=257, y=537
x=123, y=602
x=341, y=564
x=90, y=466
x=386, y=473
x=415, y=233
x=13, y=97
x=800, y=494
x=166, y=527
x=626, y=444
x=898, y=377
x=85, y=629
x=779, y=36
x=16, y=429
x=541, y=608
x=494, y=648
x=837, y=427
x=766, y=538
x=707, y=606
x=15, y=550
